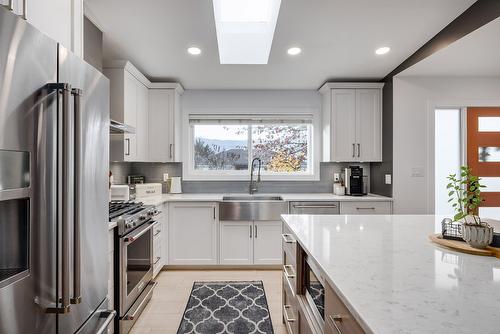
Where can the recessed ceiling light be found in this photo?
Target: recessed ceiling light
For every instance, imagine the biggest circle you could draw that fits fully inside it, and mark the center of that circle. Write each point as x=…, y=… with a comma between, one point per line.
x=294, y=51
x=383, y=50
x=194, y=50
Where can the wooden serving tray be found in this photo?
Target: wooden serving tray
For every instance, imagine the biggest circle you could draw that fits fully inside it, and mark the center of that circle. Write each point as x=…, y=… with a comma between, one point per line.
x=462, y=246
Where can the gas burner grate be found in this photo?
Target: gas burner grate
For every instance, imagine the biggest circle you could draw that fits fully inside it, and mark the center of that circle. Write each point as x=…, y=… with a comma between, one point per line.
x=118, y=208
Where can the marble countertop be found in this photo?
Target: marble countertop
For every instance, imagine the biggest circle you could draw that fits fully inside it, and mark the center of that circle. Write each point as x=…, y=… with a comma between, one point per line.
x=156, y=200
x=394, y=280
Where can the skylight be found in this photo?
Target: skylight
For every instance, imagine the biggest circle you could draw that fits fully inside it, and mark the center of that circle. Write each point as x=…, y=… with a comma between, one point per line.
x=245, y=30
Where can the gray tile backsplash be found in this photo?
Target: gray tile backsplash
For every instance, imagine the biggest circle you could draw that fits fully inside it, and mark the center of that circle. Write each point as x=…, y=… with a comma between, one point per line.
x=153, y=172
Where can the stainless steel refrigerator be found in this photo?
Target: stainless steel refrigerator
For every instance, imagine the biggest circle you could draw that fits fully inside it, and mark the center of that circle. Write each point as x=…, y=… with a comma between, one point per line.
x=54, y=135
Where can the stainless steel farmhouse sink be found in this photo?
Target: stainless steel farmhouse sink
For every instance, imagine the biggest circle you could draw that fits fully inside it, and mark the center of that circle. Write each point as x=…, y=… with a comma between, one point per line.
x=251, y=207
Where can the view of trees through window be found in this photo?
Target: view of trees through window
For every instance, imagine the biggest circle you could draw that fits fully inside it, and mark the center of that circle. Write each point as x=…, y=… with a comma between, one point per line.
x=283, y=148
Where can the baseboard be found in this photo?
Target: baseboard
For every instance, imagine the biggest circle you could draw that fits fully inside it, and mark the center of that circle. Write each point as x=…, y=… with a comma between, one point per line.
x=223, y=267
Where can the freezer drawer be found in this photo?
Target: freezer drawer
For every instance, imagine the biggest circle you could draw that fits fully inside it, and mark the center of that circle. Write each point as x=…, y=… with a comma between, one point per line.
x=315, y=208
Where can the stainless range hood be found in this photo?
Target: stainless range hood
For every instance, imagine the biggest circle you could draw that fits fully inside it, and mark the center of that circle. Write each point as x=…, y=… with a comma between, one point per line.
x=117, y=127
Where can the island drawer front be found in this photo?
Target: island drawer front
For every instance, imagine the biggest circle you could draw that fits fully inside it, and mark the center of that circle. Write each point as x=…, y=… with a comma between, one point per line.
x=289, y=242
x=338, y=316
x=290, y=271
x=289, y=309
x=365, y=208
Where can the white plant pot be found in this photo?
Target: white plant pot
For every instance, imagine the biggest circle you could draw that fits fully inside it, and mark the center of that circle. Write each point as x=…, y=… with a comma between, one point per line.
x=477, y=236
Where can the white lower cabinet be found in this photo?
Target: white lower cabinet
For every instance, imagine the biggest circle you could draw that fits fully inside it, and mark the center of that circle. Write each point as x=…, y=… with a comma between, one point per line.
x=267, y=242
x=192, y=233
x=236, y=242
x=250, y=242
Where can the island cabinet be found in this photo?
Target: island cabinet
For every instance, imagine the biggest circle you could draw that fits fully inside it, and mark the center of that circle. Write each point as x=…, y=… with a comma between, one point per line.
x=300, y=316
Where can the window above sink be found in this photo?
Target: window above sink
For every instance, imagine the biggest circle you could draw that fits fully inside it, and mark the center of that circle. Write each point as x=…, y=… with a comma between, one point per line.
x=222, y=146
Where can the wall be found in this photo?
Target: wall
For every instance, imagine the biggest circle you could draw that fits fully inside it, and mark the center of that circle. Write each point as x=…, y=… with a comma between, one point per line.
x=153, y=172
x=297, y=102
x=415, y=100
x=380, y=169
x=92, y=44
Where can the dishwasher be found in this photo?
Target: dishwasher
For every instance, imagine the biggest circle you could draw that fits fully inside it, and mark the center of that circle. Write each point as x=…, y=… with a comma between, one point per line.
x=314, y=208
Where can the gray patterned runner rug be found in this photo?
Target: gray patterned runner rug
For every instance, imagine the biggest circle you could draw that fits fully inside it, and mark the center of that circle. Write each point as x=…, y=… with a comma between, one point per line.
x=226, y=308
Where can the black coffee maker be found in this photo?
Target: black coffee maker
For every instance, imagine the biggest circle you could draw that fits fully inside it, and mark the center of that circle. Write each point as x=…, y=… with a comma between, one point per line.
x=354, y=181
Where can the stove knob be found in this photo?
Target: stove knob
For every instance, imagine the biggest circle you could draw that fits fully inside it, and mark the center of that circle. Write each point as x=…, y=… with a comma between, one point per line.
x=143, y=217
x=128, y=225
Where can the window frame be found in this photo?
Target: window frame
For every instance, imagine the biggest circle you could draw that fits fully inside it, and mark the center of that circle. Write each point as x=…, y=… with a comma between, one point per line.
x=190, y=174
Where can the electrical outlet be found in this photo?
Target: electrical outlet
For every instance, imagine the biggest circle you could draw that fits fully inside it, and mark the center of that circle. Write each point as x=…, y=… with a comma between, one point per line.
x=165, y=177
x=388, y=179
x=336, y=177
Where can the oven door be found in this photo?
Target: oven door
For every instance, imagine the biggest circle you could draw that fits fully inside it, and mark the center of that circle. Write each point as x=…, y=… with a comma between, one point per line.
x=315, y=291
x=136, y=264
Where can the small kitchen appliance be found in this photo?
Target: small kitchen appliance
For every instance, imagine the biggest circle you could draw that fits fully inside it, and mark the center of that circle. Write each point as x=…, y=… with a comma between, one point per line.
x=123, y=192
x=354, y=181
x=147, y=190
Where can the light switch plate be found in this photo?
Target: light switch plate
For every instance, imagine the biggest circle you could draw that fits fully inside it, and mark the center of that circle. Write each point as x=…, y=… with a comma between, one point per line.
x=388, y=179
x=165, y=177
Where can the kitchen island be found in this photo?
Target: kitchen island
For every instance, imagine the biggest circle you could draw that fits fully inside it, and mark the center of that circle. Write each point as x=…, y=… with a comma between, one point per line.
x=391, y=278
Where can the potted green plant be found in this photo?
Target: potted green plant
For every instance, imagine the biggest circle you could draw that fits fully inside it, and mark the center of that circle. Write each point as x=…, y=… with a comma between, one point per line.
x=465, y=196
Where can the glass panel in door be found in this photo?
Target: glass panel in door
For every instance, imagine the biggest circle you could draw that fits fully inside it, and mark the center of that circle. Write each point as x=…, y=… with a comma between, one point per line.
x=138, y=260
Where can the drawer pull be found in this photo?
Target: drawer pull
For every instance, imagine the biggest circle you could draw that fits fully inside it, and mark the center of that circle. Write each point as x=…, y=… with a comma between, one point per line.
x=287, y=274
x=156, y=233
x=287, y=318
x=372, y=208
x=333, y=206
x=334, y=318
x=157, y=260
x=287, y=238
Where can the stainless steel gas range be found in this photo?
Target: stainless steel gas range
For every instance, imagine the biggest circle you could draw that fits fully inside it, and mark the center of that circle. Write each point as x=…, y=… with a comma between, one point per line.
x=133, y=259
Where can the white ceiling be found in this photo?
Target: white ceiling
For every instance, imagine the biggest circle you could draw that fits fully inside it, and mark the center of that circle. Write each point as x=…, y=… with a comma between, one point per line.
x=477, y=54
x=338, y=39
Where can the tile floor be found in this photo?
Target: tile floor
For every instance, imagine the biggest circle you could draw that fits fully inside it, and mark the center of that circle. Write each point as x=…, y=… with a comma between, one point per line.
x=164, y=312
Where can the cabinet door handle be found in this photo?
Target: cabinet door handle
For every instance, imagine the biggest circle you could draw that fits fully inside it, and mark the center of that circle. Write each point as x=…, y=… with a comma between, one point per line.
x=372, y=208
x=214, y=214
x=353, y=150
x=127, y=140
x=334, y=318
x=25, y=10
x=359, y=150
x=250, y=231
x=287, y=318
x=256, y=231
x=171, y=145
x=287, y=273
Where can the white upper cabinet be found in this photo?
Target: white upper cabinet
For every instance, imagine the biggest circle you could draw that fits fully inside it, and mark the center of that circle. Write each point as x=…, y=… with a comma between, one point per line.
x=129, y=105
x=61, y=20
x=352, y=122
x=164, y=122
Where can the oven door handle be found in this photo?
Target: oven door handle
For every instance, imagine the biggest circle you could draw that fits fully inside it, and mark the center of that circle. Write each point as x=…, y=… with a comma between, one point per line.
x=138, y=234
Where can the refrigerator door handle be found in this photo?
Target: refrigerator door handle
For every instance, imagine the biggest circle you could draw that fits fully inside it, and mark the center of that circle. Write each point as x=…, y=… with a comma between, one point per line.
x=64, y=187
x=77, y=259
